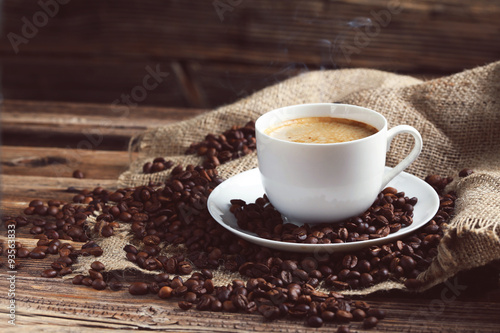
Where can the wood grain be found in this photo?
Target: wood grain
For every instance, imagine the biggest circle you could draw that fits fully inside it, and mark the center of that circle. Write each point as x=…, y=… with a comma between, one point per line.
x=81, y=126
x=96, y=51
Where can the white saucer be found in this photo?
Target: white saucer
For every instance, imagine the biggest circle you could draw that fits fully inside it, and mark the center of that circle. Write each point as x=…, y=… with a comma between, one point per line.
x=248, y=187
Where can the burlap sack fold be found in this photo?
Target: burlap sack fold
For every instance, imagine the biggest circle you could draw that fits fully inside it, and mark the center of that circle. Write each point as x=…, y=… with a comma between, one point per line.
x=458, y=117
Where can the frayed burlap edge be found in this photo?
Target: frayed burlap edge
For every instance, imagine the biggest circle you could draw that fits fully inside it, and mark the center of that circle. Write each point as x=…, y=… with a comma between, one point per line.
x=467, y=233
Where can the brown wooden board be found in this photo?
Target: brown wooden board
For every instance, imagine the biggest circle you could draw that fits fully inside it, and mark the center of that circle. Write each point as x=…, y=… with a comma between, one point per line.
x=96, y=51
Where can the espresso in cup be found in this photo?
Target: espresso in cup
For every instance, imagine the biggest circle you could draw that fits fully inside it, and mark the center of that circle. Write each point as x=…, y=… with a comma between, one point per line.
x=321, y=130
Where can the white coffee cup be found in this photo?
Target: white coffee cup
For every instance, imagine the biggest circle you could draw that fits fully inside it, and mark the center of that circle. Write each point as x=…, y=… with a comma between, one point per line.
x=318, y=182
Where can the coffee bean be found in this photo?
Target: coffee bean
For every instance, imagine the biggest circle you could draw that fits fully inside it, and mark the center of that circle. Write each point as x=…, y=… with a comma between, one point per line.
x=377, y=313
x=343, y=329
x=188, y=297
x=107, y=231
x=23, y=253
x=94, y=275
x=349, y=261
x=413, y=284
x=269, y=312
x=204, y=303
x=408, y=263
x=185, y=305
x=49, y=273
x=37, y=254
x=87, y=281
x=184, y=268
x=358, y=315
x=65, y=271
x=366, y=280
x=77, y=279
x=465, y=172
x=95, y=251
x=35, y=202
x=180, y=291
x=97, y=266
x=165, y=292
x=327, y=315
x=99, y=284
x=130, y=249
x=78, y=174
x=138, y=288
x=343, y=316
x=171, y=266
x=370, y=322
x=314, y=321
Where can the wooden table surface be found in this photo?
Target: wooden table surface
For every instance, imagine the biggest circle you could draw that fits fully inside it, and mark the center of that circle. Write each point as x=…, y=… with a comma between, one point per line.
x=44, y=142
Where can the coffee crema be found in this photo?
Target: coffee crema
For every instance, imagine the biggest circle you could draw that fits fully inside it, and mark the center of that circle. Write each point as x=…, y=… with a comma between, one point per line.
x=321, y=130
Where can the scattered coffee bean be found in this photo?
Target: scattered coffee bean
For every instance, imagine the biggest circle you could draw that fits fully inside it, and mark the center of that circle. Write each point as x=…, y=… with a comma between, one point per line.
x=165, y=292
x=78, y=174
x=138, y=288
x=343, y=329
x=315, y=321
x=77, y=279
x=49, y=273
x=87, y=281
x=370, y=322
x=99, y=284
x=185, y=305
x=465, y=172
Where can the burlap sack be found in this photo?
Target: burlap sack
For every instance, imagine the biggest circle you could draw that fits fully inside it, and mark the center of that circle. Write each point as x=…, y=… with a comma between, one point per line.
x=458, y=117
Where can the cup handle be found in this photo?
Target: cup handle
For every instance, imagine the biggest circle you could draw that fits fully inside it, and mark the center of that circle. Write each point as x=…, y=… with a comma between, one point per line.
x=412, y=156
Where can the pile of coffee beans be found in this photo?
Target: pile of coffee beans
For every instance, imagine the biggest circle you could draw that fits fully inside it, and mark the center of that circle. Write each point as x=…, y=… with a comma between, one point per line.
x=222, y=148
x=390, y=212
x=216, y=149
x=158, y=164
x=280, y=284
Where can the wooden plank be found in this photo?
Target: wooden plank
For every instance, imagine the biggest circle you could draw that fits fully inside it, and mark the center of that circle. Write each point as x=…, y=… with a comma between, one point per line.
x=96, y=51
x=442, y=36
x=58, y=303
x=97, y=79
x=226, y=83
x=81, y=126
x=53, y=162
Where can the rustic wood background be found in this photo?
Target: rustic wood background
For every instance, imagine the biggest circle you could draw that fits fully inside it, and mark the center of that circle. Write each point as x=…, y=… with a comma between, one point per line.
x=217, y=51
